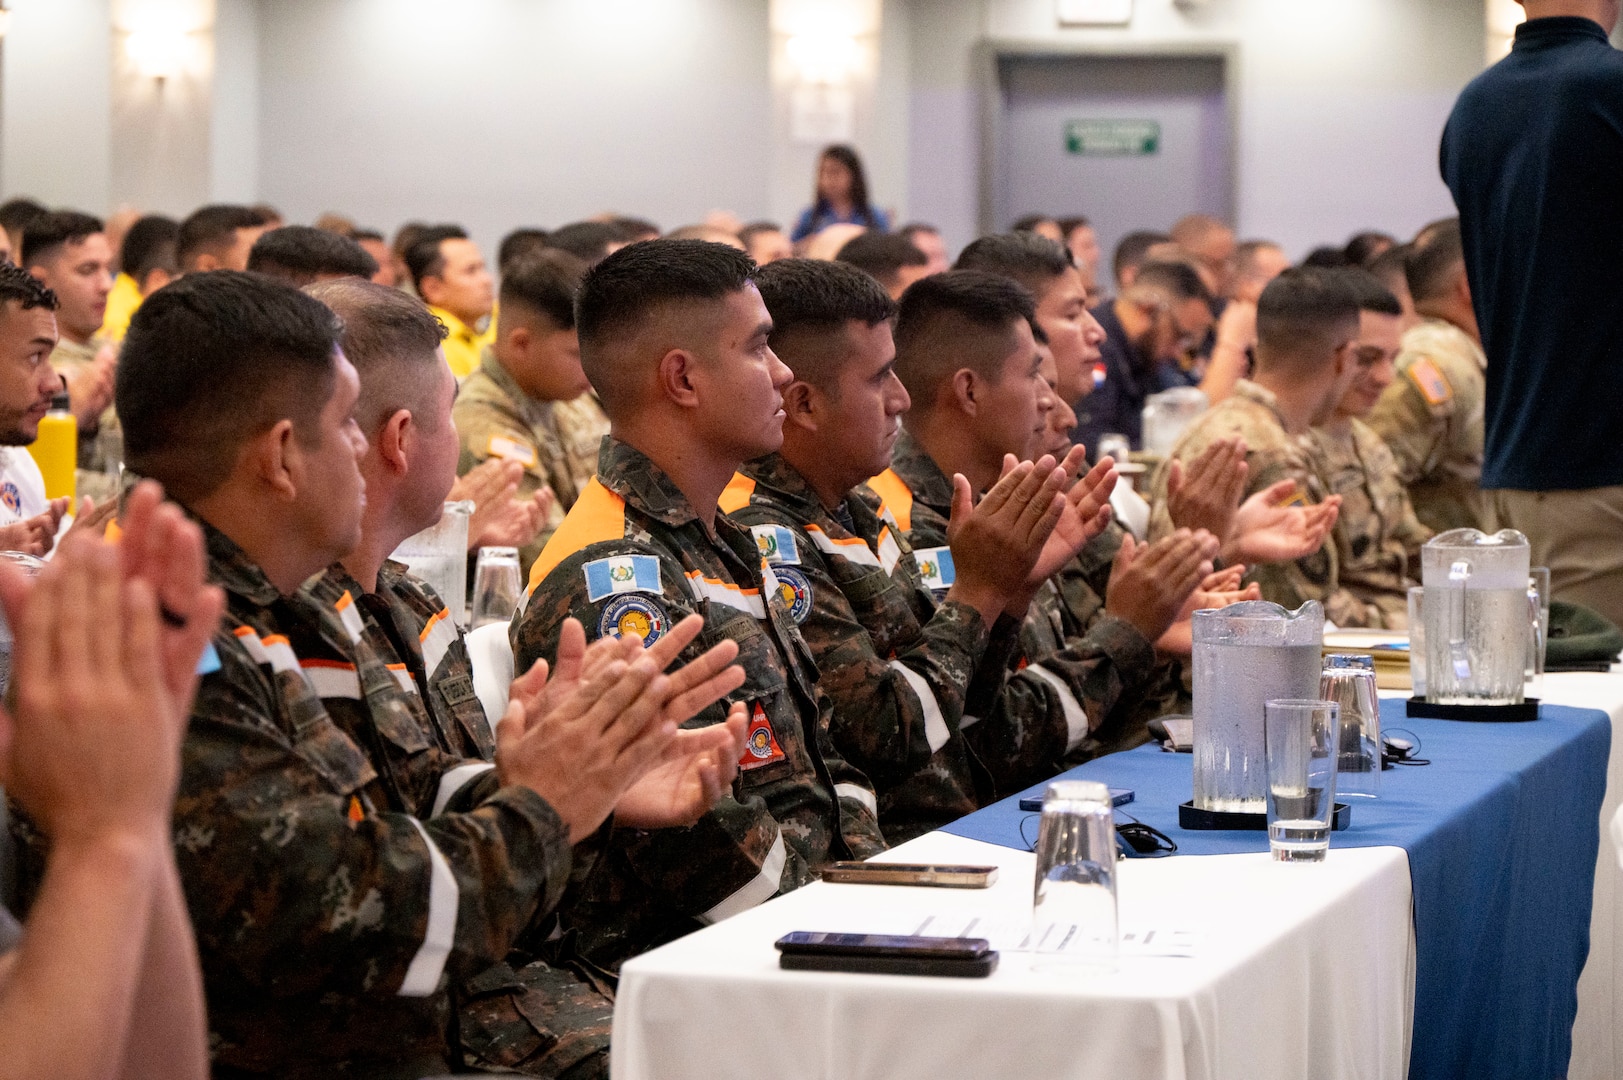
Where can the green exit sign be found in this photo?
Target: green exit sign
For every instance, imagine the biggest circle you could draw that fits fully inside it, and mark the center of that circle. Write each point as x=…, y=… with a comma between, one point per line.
x=1113, y=138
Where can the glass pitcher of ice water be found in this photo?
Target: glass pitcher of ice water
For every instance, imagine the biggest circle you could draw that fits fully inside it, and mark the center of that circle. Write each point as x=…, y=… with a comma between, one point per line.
x=1477, y=624
x=1246, y=654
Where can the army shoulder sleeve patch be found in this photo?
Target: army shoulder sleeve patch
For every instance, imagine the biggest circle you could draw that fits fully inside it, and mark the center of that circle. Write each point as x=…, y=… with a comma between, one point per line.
x=795, y=590
x=935, y=567
x=761, y=744
x=622, y=574
x=1429, y=379
x=634, y=613
x=777, y=544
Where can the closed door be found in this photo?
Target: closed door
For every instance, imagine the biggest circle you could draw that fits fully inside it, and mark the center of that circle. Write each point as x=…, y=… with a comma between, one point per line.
x=1130, y=142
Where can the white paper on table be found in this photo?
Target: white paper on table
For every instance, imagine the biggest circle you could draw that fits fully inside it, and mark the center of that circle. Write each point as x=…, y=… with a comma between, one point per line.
x=1010, y=933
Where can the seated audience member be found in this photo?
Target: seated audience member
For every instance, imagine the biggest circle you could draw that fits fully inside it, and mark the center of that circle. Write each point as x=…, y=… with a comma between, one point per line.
x=1042, y=225
x=449, y=273
x=28, y=382
x=589, y=241
x=301, y=254
x=1432, y=414
x=146, y=262
x=1083, y=244
x=529, y=402
x=765, y=242
x=967, y=355
x=1365, y=247
x=1326, y=257
x=218, y=237
x=103, y=979
x=673, y=336
x=1377, y=535
x=713, y=234
x=634, y=230
x=1211, y=244
x=928, y=239
x=15, y=214
x=335, y=223
x=1132, y=251
x=1162, y=316
x=405, y=236
x=1307, y=334
x=404, y=410
x=1256, y=263
x=1391, y=268
x=518, y=244
x=827, y=244
x=373, y=243
x=894, y=261
x=269, y=217
x=840, y=196
x=68, y=252
x=235, y=394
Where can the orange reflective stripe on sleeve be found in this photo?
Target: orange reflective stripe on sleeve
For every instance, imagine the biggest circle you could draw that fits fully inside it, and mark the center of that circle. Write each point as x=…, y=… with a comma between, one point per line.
x=897, y=497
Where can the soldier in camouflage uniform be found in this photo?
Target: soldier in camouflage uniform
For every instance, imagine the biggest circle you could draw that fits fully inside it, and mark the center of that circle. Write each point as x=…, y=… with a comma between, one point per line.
x=1377, y=535
x=529, y=401
x=639, y=551
x=1432, y=415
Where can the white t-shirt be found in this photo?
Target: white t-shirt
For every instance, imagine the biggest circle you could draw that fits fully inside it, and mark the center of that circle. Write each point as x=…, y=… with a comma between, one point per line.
x=22, y=488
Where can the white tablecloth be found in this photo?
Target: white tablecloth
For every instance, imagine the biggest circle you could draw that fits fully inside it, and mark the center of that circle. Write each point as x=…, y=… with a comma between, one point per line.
x=1300, y=971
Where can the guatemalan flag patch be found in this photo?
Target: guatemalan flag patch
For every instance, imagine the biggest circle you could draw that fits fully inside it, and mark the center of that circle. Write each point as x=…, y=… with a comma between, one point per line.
x=622, y=574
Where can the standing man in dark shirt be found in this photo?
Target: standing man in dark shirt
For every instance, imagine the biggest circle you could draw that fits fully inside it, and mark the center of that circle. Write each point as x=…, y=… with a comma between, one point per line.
x=1533, y=154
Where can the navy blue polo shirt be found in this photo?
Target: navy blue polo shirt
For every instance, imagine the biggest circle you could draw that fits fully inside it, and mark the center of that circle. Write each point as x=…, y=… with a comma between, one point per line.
x=1533, y=154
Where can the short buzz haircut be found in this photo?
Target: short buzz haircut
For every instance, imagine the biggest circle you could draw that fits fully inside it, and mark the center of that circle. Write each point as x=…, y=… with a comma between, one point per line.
x=1392, y=267
x=393, y=341
x=542, y=283
x=423, y=258
x=519, y=243
x=1301, y=317
x=15, y=214
x=1133, y=249
x=631, y=288
x=883, y=255
x=1245, y=256
x=300, y=254
x=1436, y=263
x=29, y=291
x=211, y=230
x=212, y=361
x=48, y=233
x=954, y=320
x=913, y=228
x=588, y=240
x=150, y=245
x=1178, y=279
x=1029, y=258
x=757, y=228
x=1372, y=295
x=811, y=301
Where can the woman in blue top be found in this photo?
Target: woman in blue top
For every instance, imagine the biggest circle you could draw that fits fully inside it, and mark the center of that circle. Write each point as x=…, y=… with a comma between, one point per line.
x=841, y=197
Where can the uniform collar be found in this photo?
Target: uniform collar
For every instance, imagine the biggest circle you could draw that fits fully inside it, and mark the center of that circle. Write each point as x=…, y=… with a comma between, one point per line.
x=235, y=572
x=497, y=373
x=920, y=473
x=775, y=472
x=632, y=475
x=1553, y=30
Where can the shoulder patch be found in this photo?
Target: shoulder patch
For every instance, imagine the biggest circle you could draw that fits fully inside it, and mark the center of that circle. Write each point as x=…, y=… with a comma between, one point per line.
x=622, y=574
x=795, y=591
x=1297, y=497
x=1429, y=379
x=761, y=745
x=634, y=614
x=511, y=450
x=935, y=567
x=777, y=544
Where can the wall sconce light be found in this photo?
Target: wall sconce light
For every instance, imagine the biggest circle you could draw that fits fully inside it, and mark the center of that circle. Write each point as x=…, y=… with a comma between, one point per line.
x=5, y=20
x=162, y=38
x=823, y=57
x=158, y=53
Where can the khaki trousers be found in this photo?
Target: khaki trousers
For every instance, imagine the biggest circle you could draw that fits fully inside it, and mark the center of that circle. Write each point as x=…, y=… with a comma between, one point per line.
x=1577, y=534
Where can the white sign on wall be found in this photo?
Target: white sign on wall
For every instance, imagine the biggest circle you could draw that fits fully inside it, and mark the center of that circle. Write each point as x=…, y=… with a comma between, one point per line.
x=1094, y=12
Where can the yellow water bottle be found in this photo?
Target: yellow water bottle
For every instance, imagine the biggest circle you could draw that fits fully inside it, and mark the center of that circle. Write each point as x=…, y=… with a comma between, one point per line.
x=56, y=448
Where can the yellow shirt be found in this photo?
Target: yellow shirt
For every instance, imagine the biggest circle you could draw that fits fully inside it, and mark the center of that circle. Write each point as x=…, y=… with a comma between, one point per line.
x=463, y=344
x=121, y=305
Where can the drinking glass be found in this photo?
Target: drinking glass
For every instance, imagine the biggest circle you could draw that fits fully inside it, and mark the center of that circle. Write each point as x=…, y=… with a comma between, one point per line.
x=1302, y=737
x=1074, y=905
x=496, y=586
x=1349, y=681
x=1417, y=641
x=1538, y=603
x=1113, y=445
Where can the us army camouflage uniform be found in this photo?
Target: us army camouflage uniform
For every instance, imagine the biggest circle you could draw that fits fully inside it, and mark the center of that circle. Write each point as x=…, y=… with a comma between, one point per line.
x=897, y=666
x=537, y=1019
x=1066, y=697
x=333, y=905
x=633, y=556
x=1432, y=419
x=555, y=441
x=1377, y=536
x=1272, y=455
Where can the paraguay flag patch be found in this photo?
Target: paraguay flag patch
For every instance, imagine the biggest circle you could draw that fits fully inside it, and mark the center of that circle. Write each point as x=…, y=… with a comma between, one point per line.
x=622, y=574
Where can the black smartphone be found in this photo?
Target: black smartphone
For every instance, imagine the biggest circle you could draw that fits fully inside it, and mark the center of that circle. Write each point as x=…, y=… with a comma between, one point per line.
x=887, y=954
x=1119, y=796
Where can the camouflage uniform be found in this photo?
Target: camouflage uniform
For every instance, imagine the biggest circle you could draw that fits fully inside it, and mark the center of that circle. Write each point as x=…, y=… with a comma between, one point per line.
x=336, y=897
x=1272, y=455
x=1377, y=535
x=897, y=666
x=1071, y=688
x=633, y=556
x=1431, y=417
x=555, y=441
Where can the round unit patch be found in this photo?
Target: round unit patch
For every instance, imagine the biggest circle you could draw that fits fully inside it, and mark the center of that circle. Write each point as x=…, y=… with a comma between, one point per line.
x=795, y=592
x=634, y=614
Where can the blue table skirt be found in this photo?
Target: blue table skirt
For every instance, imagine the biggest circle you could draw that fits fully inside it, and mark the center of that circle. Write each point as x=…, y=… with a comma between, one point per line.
x=1502, y=831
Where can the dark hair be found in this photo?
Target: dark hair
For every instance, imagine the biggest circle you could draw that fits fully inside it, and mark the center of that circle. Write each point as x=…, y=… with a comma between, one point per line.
x=913, y=228
x=544, y=282
x=405, y=236
x=632, y=229
x=1069, y=225
x=882, y=255
x=366, y=234
x=1371, y=293
x=1434, y=265
x=150, y=245
x=423, y=258
x=54, y=229
x=212, y=230
x=1029, y=258
x=1245, y=255
x=1299, y=314
x=518, y=243
x=588, y=240
x=213, y=360
x=1030, y=222
x=1362, y=249
x=628, y=288
x=15, y=214
x=846, y=156
x=1327, y=258
x=300, y=254
x=1392, y=267
x=1178, y=278
x=756, y=228
x=954, y=320
x=265, y=213
x=392, y=340
x=29, y=291
x=817, y=297
x=1133, y=249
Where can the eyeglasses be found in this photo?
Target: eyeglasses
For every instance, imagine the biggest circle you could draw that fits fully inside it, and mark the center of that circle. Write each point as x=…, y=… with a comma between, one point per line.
x=1134, y=839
